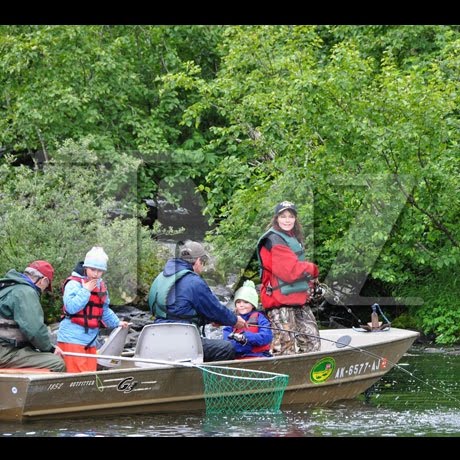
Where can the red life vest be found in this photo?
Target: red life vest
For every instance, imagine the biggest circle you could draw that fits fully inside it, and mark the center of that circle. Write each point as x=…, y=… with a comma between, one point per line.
x=253, y=326
x=91, y=315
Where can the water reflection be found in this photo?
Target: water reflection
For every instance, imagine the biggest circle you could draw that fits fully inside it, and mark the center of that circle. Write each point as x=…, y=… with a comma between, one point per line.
x=433, y=383
x=424, y=404
x=263, y=425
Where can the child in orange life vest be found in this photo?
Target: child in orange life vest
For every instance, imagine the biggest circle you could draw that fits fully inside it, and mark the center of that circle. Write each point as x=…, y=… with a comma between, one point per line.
x=254, y=341
x=86, y=306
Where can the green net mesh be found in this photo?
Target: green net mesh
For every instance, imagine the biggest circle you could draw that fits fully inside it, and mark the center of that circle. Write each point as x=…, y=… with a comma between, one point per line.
x=235, y=390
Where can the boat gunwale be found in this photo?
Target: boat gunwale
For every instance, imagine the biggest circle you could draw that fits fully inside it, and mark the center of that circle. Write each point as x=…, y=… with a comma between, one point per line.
x=32, y=377
x=351, y=385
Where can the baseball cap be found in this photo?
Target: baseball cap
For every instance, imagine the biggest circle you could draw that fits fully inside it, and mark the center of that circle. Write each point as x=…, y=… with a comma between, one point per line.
x=45, y=268
x=280, y=207
x=192, y=250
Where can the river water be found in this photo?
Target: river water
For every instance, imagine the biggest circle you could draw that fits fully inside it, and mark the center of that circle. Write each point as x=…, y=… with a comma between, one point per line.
x=419, y=399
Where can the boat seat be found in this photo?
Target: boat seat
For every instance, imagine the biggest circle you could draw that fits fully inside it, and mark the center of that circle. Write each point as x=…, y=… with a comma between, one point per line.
x=113, y=346
x=169, y=342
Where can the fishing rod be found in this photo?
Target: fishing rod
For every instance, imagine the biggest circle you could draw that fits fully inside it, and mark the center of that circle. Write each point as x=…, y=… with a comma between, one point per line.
x=323, y=291
x=345, y=340
x=341, y=342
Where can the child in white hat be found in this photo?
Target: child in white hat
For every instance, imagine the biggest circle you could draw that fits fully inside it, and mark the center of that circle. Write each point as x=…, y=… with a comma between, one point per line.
x=86, y=308
x=255, y=340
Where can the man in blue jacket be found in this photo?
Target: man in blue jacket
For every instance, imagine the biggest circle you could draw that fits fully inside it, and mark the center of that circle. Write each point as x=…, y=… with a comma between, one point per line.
x=180, y=295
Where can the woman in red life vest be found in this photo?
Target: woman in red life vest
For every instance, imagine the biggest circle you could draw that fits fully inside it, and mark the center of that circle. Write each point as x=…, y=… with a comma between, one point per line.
x=254, y=340
x=287, y=279
x=86, y=307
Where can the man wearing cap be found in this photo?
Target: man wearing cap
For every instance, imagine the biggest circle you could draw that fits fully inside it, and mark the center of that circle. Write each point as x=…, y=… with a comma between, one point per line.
x=180, y=294
x=287, y=279
x=24, y=338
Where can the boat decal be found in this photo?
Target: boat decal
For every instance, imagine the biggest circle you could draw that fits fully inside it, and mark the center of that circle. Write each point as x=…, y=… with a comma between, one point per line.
x=14, y=390
x=142, y=389
x=82, y=383
x=99, y=384
x=127, y=385
x=55, y=386
x=122, y=384
x=364, y=367
x=102, y=385
x=322, y=370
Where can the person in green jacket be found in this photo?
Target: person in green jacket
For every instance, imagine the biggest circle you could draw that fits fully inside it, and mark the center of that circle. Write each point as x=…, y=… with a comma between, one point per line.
x=24, y=338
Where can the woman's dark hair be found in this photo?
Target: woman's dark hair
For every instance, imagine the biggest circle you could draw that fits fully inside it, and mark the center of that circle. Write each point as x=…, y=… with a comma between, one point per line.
x=297, y=229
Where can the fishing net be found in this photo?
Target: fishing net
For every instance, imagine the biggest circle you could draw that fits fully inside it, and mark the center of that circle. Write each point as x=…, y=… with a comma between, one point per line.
x=235, y=390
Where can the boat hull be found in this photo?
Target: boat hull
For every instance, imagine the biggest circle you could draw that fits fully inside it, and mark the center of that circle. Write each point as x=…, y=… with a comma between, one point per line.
x=318, y=378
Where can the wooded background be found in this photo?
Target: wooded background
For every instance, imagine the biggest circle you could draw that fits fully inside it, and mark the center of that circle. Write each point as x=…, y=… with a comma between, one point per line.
x=358, y=125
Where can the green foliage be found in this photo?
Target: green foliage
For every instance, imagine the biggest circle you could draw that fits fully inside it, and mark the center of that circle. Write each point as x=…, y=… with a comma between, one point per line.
x=107, y=83
x=366, y=119
x=359, y=125
x=407, y=44
x=152, y=257
x=406, y=321
x=440, y=312
x=310, y=117
x=60, y=212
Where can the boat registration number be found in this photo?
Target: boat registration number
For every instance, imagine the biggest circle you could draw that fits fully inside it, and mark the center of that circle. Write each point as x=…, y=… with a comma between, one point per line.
x=361, y=368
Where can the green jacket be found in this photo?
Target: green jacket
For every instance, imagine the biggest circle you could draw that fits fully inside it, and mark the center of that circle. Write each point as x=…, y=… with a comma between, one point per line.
x=21, y=303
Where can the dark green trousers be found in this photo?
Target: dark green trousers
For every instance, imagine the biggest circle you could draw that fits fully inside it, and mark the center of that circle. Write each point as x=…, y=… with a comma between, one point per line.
x=28, y=357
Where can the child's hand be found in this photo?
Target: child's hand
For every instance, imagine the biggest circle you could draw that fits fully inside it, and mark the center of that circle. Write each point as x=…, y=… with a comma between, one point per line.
x=238, y=337
x=240, y=323
x=90, y=284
